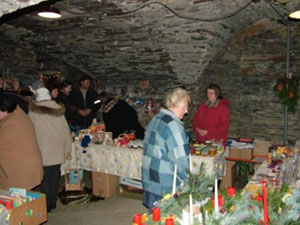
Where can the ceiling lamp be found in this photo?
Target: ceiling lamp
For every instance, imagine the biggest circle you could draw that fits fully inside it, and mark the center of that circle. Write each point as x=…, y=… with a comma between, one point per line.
x=295, y=15
x=52, y=13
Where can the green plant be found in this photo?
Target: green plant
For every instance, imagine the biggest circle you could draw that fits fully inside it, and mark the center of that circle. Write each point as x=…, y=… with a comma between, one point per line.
x=286, y=89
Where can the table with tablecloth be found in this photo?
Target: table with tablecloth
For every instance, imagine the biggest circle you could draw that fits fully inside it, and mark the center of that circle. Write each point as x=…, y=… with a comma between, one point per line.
x=127, y=162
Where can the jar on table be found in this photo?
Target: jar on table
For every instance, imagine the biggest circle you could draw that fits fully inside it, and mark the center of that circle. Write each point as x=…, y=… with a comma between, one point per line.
x=212, y=152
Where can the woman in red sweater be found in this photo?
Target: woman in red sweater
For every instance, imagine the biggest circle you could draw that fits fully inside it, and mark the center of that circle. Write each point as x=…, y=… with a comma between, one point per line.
x=211, y=120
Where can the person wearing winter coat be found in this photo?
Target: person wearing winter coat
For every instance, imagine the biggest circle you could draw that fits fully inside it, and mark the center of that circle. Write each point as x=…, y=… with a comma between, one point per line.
x=211, y=120
x=165, y=145
x=54, y=140
x=20, y=156
x=119, y=117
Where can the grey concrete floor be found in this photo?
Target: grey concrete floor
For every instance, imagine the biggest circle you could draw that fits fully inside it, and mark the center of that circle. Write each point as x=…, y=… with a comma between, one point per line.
x=111, y=211
x=115, y=210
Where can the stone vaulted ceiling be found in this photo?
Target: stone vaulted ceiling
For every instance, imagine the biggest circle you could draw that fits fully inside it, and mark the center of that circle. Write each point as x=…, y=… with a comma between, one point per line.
x=109, y=37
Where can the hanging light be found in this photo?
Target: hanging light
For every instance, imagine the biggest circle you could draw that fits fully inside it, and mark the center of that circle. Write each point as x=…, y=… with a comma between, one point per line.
x=295, y=15
x=52, y=13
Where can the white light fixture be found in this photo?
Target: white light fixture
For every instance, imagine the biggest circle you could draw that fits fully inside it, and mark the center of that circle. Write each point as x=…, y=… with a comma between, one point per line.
x=52, y=13
x=295, y=15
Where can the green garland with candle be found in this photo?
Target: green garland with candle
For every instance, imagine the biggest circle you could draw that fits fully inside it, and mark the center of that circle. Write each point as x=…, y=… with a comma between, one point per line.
x=237, y=209
x=286, y=89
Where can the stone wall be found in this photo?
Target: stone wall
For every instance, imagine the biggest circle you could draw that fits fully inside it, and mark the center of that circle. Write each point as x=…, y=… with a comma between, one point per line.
x=246, y=69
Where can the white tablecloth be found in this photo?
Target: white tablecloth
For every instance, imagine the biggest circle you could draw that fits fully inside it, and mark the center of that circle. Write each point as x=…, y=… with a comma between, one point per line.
x=127, y=162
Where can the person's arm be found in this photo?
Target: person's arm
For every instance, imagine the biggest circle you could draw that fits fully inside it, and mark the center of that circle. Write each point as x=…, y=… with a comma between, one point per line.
x=179, y=149
x=196, y=123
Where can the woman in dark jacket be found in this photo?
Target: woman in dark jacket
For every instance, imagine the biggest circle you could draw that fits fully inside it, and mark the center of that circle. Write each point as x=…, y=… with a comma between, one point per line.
x=63, y=97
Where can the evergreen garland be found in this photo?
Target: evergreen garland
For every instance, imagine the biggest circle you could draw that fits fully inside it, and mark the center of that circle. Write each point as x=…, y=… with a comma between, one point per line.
x=286, y=89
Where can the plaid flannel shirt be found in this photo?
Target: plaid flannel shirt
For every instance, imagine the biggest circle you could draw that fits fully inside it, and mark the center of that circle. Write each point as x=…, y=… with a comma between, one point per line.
x=165, y=144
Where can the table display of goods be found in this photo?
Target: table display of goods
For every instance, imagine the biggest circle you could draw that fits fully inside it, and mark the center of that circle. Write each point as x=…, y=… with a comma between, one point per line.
x=96, y=134
x=263, y=201
x=209, y=148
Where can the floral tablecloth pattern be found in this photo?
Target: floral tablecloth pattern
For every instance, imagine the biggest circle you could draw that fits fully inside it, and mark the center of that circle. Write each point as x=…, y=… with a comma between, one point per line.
x=127, y=162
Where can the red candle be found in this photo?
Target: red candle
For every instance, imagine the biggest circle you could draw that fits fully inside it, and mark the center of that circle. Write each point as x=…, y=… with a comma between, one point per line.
x=220, y=201
x=265, y=204
x=169, y=221
x=137, y=219
x=230, y=191
x=259, y=198
x=155, y=214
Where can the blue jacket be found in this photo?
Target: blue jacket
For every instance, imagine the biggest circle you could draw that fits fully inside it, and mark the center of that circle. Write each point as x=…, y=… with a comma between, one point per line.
x=165, y=144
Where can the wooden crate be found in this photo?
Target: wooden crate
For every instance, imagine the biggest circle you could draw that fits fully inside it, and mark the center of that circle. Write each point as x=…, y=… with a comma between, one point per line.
x=73, y=187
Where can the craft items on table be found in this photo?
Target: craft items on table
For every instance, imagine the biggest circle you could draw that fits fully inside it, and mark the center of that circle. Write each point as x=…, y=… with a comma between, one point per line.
x=95, y=134
x=135, y=144
x=209, y=148
x=85, y=141
x=122, y=140
x=259, y=203
x=150, y=108
x=95, y=127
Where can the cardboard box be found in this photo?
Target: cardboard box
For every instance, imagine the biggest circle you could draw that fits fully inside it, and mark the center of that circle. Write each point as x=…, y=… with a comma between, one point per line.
x=261, y=147
x=104, y=185
x=30, y=213
x=241, y=153
x=131, y=182
x=229, y=178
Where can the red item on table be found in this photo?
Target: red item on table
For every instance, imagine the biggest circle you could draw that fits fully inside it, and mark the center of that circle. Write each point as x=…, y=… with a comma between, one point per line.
x=265, y=205
x=220, y=201
x=156, y=214
x=137, y=219
x=169, y=221
x=230, y=191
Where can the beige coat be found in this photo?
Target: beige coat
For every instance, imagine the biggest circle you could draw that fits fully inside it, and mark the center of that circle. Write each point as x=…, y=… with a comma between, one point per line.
x=20, y=157
x=53, y=134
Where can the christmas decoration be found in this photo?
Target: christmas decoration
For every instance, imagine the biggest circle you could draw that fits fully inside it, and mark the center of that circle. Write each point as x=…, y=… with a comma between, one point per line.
x=150, y=107
x=286, y=89
x=279, y=206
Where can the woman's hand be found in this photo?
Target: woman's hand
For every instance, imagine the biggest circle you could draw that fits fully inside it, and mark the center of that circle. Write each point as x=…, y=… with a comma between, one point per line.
x=202, y=132
x=68, y=156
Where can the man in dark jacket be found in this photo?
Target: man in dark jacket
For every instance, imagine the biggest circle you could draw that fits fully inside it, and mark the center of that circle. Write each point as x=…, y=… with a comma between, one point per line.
x=119, y=117
x=83, y=101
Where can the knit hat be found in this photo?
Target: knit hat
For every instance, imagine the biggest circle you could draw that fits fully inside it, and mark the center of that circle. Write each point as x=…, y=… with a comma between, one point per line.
x=37, y=84
x=42, y=94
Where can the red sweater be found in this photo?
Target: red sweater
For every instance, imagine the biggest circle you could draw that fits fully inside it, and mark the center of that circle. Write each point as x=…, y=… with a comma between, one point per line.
x=214, y=119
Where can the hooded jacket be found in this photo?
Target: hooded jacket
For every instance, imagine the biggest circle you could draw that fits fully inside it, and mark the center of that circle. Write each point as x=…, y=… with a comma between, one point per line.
x=214, y=119
x=53, y=134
